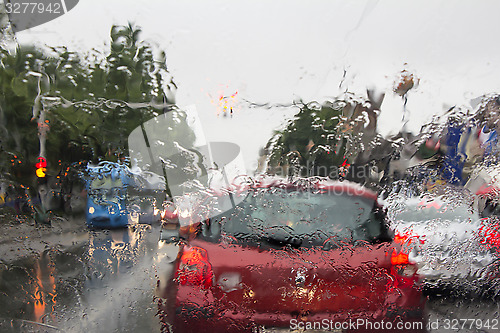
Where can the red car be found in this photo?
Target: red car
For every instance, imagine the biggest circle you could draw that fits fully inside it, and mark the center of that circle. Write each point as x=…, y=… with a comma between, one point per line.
x=317, y=256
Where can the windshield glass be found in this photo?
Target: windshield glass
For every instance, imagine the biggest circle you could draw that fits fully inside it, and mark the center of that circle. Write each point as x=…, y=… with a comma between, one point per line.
x=156, y=116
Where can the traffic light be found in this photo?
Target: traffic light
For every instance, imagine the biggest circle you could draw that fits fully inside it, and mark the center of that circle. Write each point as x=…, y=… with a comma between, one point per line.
x=41, y=167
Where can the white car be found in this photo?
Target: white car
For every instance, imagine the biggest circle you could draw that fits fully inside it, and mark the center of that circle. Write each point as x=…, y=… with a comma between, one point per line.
x=446, y=237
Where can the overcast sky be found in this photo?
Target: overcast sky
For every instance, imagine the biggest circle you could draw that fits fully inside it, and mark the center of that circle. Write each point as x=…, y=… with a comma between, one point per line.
x=279, y=51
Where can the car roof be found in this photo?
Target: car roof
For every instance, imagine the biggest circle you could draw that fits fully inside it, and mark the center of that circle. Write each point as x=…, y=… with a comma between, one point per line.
x=321, y=185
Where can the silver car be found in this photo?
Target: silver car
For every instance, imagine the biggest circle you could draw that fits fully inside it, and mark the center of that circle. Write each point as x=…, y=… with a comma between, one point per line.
x=446, y=237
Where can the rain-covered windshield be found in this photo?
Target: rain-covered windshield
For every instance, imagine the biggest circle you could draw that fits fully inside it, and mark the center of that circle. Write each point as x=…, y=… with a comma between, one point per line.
x=126, y=125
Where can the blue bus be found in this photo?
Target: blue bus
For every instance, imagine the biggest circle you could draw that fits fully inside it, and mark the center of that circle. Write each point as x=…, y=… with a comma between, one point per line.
x=117, y=197
x=106, y=185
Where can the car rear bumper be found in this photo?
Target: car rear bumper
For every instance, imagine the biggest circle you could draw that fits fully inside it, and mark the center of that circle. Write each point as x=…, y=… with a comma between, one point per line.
x=238, y=322
x=189, y=318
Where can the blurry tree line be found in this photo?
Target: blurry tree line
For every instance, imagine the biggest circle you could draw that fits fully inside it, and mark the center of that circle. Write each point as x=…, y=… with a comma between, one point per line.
x=87, y=103
x=339, y=139
x=332, y=139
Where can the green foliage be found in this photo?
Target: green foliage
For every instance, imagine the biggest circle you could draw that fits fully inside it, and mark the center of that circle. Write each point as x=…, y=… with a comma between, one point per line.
x=86, y=100
x=19, y=139
x=322, y=140
x=309, y=139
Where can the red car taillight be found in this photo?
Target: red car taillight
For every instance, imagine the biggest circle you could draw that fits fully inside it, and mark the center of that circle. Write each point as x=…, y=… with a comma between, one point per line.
x=401, y=266
x=194, y=268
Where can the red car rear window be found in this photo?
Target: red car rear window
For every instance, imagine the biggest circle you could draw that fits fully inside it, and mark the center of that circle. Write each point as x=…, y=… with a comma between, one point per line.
x=300, y=219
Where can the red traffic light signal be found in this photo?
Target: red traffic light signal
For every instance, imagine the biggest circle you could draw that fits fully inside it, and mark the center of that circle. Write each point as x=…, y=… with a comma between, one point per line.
x=42, y=163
